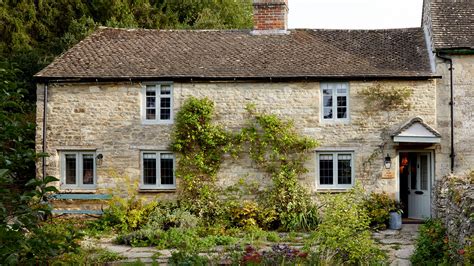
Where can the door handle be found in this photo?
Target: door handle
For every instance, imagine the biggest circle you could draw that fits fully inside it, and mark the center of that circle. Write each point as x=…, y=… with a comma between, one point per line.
x=419, y=192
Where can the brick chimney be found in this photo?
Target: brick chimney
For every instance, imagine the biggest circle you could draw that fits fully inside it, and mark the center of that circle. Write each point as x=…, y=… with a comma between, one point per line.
x=270, y=16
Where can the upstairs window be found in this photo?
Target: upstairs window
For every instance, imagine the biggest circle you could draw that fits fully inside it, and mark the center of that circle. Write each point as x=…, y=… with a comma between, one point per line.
x=78, y=170
x=335, y=101
x=335, y=170
x=158, y=104
x=158, y=170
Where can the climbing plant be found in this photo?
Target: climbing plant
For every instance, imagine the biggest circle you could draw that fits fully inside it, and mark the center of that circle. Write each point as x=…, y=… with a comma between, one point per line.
x=386, y=98
x=273, y=144
x=280, y=151
x=201, y=146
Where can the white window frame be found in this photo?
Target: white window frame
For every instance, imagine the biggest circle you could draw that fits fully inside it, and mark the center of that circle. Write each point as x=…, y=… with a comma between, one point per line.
x=158, y=96
x=335, y=184
x=335, y=85
x=79, y=170
x=158, y=172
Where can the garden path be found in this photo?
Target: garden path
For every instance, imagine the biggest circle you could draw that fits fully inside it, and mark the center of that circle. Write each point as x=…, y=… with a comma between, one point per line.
x=399, y=244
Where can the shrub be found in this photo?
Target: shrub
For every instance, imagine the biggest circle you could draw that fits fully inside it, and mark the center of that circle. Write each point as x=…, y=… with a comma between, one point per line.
x=169, y=215
x=379, y=206
x=433, y=246
x=343, y=236
x=183, y=258
x=24, y=236
x=250, y=213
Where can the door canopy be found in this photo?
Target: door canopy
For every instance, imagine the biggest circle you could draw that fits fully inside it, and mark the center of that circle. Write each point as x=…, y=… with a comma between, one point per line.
x=416, y=131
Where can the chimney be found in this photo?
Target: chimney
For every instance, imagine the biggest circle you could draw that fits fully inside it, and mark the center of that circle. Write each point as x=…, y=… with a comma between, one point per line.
x=270, y=16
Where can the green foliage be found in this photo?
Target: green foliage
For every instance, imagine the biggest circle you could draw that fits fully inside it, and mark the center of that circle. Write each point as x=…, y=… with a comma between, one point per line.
x=433, y=246
x=17, y=127
x=379, y=206
x=379, y=97
x=280, y=151
x=88, y=256
x=201, y=146
x=183, y=258
x=272, y=143
x=343, y=236
x=24, y=237
x=249, y=213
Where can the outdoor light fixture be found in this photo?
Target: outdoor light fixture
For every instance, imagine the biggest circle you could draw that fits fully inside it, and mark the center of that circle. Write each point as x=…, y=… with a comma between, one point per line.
x=387, y=162
x=100, y=156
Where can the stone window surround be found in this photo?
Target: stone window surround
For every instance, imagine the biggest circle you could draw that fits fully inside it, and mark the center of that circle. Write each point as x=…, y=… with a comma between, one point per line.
x=79, y=170
x=334, y=186
x=158, y=187
x=143, y=103
x=323, y=85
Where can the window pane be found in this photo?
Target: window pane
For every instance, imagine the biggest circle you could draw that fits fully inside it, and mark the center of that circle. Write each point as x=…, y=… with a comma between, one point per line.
x=327, y=113
x=166, y=169
x=150, y=114
x=342, y=112
x=165, y=103
x=327, y=92
x=341, y=101
x=150, y=101
x=88, y=169
x=165, y=114
x=413, y=172
x=165, y=89
x=344, y=171
x=149, y=168
x=325, y=170
x=342, y=90
x=327, y=101
x=70, y=169
x=150, y=91
x=423, y=172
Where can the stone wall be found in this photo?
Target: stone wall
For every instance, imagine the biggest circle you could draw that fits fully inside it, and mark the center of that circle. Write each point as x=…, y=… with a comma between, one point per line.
x=454, y=204
x=106, y=117
x=463, y=115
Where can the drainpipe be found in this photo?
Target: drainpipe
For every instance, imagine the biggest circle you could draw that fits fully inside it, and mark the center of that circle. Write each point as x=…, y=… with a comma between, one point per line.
x=451, y=103
x=45, y=102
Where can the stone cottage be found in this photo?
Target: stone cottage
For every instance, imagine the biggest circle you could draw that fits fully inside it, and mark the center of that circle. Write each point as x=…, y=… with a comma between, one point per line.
x=106, y=107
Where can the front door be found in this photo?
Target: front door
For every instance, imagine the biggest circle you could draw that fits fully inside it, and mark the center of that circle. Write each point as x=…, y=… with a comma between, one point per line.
x=416, y=170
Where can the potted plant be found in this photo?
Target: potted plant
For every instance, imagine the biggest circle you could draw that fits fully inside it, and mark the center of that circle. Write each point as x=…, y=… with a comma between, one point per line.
x=396, y=211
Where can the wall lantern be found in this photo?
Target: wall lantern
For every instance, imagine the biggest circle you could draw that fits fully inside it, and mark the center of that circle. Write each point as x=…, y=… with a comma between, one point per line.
x=387, y=162
x=100, y=156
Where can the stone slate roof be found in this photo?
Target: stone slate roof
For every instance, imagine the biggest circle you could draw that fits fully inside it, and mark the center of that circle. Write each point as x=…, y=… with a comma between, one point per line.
x=452, y=23
x=226, y=54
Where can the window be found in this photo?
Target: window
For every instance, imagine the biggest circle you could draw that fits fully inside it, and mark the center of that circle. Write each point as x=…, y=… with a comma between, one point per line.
x=335, y=170
x=78, y=170
x=335, y=101
x=157, y=170
x=157, y=104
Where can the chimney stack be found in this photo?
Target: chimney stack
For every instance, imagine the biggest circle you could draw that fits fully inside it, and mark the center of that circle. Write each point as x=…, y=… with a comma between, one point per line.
x=270, y=16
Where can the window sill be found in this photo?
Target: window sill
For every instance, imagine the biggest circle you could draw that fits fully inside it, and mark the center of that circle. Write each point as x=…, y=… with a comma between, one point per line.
x=77, y=190
x=157, y=190
x=333, y=190
x=150, y=123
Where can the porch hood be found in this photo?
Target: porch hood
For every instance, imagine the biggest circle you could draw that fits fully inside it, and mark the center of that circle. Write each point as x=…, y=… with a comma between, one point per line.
x=416, y=131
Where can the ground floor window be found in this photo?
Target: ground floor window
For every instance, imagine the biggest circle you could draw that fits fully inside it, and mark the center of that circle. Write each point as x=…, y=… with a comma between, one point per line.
x=157, y=170
x=78, y=169
x=335, y=170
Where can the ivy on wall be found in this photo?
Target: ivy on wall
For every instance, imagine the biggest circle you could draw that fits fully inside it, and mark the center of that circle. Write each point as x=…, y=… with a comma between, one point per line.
x=381, y=98
x=273, y=144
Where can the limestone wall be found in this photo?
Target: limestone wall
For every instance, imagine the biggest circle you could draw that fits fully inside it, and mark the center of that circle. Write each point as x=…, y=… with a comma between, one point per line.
x=455, y=206
x=463, y=115
x=106, y=117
